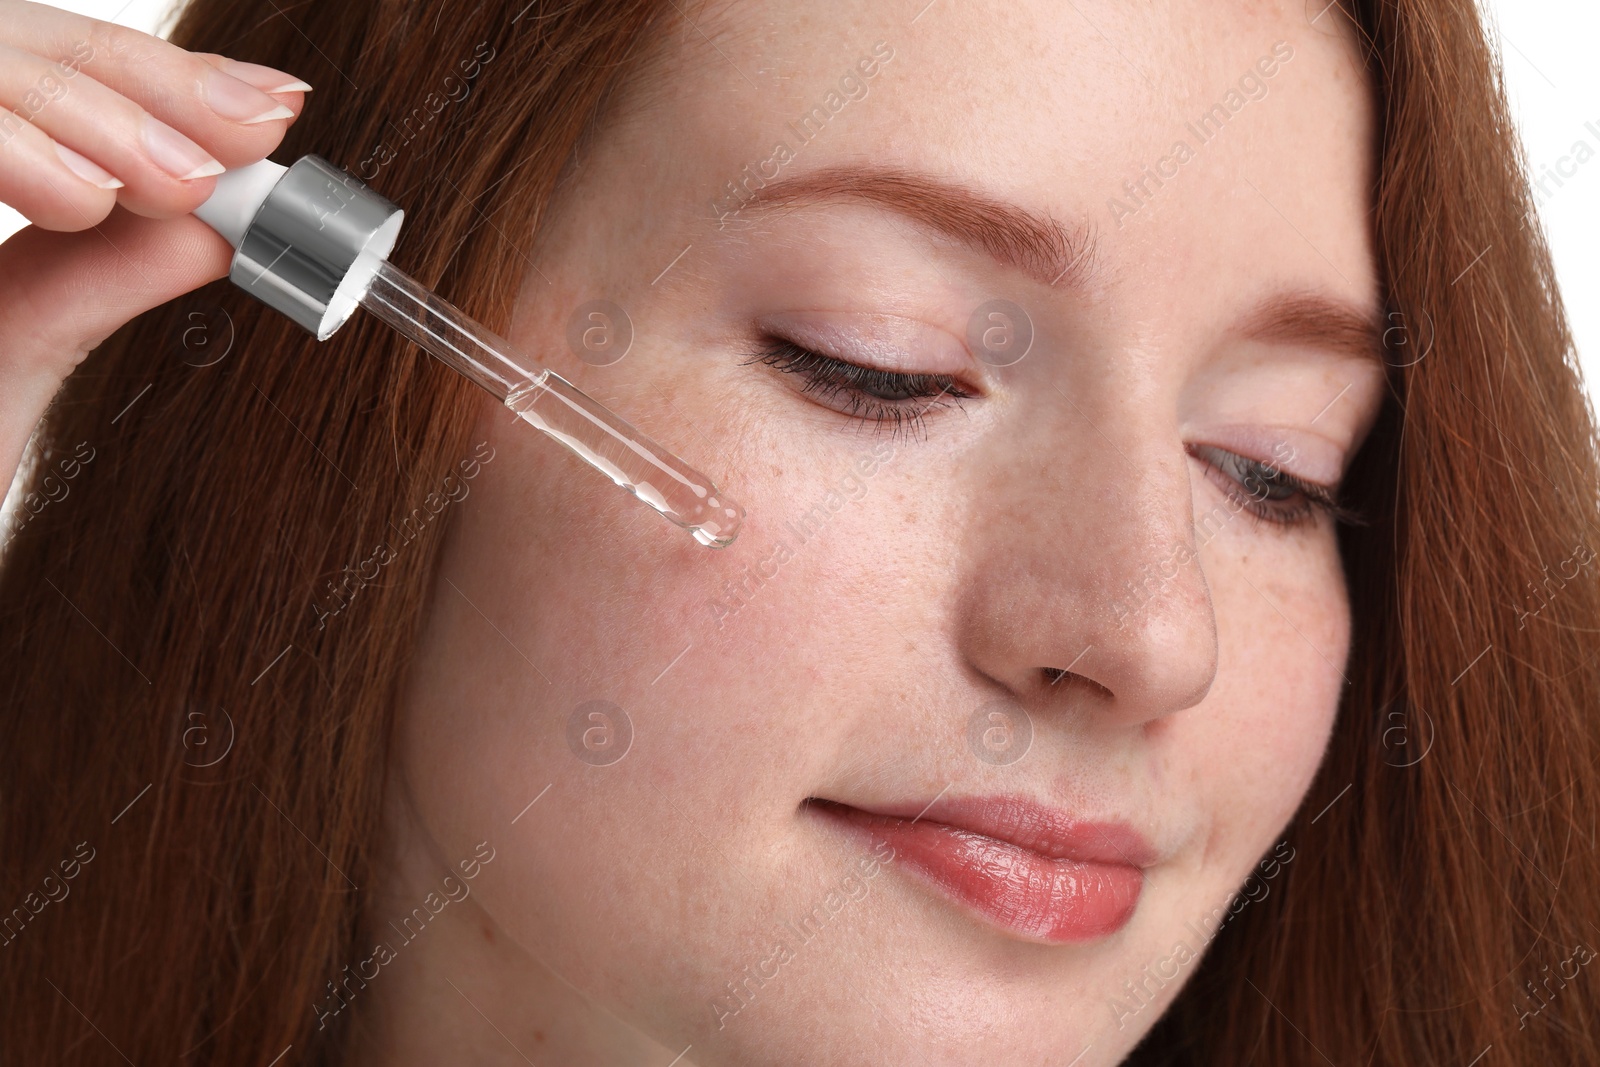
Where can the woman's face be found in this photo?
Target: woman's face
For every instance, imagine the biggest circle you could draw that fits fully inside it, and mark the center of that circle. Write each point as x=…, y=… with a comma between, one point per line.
x=1020, y=666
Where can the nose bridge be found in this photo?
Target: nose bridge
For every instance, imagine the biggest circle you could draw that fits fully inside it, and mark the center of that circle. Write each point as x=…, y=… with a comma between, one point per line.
x=1086, y=562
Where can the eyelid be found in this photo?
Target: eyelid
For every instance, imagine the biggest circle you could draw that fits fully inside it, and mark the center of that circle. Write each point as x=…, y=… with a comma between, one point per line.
x=1314, y=497
x=891, y=343
x=1306, y=454
x=827, y=377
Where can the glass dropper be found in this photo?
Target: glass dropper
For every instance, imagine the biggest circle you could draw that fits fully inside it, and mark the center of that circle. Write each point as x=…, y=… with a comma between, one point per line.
x=547, y=401
x=313, y=242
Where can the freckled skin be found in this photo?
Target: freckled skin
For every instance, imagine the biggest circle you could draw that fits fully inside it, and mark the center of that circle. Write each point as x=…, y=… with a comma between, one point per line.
x=990, y=546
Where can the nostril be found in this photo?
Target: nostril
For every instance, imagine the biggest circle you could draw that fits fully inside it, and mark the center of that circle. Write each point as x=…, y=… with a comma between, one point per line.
x=1054, y=675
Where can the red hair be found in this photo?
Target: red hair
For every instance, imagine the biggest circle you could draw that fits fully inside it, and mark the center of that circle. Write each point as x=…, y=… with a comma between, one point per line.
x=1429, y=900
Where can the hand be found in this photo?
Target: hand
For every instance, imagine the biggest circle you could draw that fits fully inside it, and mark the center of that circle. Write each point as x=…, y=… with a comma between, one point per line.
x=109, y=138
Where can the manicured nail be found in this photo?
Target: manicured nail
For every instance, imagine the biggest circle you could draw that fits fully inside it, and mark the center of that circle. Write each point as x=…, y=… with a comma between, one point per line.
x=87, y=169
x=175, y=153
x=244, y=104
x=267, y=79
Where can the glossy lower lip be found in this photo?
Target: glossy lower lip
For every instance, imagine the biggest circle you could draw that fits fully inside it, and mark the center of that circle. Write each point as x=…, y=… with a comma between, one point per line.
x=1027, y=869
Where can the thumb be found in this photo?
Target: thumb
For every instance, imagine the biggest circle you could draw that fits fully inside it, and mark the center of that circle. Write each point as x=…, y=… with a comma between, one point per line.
x=67, y=292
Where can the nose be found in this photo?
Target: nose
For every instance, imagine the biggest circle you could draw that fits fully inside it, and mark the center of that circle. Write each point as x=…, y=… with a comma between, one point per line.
x=1085, y=584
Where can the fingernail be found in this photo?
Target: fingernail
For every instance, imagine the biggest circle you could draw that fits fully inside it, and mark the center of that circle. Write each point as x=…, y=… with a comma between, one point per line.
x=244, y=104
x=175, y=153
x=87, y=169
x=267, y=79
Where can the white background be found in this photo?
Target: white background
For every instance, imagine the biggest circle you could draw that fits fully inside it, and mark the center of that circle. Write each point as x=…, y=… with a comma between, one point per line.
x=1554, y=85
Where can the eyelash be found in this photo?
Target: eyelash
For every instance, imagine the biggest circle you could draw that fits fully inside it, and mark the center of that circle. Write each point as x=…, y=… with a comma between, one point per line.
x=830, y=377
x=827, y=376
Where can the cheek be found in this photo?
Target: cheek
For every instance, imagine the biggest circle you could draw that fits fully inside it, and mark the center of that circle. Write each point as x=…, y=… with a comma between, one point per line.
x=573, y=654
x=1283, y=632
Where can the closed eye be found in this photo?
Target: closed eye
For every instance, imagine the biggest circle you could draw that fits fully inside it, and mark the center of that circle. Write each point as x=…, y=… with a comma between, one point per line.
x=1270, y=493
x=868, y=392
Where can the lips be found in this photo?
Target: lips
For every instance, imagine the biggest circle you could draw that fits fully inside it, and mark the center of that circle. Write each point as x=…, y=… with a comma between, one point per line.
x=1033, y=871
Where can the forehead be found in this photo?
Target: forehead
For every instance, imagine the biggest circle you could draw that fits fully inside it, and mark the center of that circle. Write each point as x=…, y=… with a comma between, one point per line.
x=1207, y=143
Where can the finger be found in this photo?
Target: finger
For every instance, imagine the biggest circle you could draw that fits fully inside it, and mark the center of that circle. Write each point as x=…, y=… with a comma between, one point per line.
x=231, y=119
x=158, y=164
x=67, y=292
x=285, y=88
x=51, y=185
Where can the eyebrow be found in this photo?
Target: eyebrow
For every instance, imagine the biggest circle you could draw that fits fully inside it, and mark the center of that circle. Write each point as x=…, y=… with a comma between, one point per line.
x=1306, y=318
x=1049, y=251
x=1037, y=244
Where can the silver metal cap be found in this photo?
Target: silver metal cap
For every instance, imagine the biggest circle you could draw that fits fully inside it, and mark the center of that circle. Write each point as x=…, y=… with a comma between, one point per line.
x=314, y=244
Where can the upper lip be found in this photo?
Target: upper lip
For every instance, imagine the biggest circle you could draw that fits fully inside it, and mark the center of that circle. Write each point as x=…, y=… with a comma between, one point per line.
x=1020, y=821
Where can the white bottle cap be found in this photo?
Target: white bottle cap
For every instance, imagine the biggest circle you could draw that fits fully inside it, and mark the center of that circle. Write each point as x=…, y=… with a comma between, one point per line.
x=237, y=198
